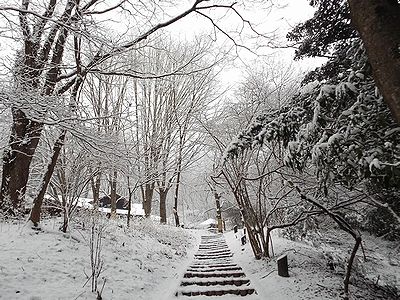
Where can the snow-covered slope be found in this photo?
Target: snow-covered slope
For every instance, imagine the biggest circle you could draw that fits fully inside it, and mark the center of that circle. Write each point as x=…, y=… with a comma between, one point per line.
x=311, y=275
x=52, y=265
x=147, y=261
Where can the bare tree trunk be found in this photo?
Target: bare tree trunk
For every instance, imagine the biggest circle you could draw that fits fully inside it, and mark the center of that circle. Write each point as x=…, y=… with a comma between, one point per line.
x=345, y=227
x=254, y=243
x=25, y=133
x=378, y=23
x=219, y=217
x=37, y=203
x=95, y=183
x=349, y=267
x=113, y=194
x=264, y=240
x=268, y=239
x=17, y=159
x=148, y=198
x=163, y=208
x=64, y=226
x=175, y=210
x=130, y=193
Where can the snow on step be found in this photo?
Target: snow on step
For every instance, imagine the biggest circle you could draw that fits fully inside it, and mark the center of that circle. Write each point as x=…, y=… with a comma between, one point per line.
x=216, y=251
x=222, y=268
x=213, y=261
x=213, y=248
x=210, y=266
x=212, y=255
x=214, y=291
x=214, y=281
x=205, y=254
x=213, y=274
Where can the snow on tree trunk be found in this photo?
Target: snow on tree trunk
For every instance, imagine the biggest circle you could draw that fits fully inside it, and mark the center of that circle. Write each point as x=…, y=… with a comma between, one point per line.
x=16, y=162
x=37, y=203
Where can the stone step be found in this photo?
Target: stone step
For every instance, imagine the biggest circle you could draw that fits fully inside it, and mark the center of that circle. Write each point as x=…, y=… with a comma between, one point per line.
x=212, y=241
x=214, y=269
x=214, y=251
x=213, y=244
x=211, y=261
x=208, y=253
x=219, y=291
x=204, y=266
x=213, y=274
x=214, y=257
x=203, y=257
x=208, y=282
x=213, y=236
x=213, y=247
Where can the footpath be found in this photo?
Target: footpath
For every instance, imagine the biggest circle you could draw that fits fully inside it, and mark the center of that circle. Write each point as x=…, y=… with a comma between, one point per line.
x=213, y=273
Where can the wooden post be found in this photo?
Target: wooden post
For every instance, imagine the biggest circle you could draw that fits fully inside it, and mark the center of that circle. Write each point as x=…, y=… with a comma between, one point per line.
x=283, y=266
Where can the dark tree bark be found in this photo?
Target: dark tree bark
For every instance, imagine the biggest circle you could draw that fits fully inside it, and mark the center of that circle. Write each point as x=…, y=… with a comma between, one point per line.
x=349, y=267
x=113, y=194
x=148, y=198
x=95, y=183
x=378, y=23
x=37, y=203
x=163, y=206
x=17, y=158
x=250, y=228
x=25, y=133
x=175, y=210
x=219, y=217
x=130, y=193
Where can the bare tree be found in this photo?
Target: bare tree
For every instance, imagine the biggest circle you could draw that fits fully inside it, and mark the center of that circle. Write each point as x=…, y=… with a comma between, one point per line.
x=165, y=112
x=61, y=43
x=72, y=177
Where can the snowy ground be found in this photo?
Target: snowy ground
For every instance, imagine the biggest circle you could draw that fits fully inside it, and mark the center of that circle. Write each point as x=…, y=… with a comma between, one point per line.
x=52, y=265
x=147, y=261
x=311, y=277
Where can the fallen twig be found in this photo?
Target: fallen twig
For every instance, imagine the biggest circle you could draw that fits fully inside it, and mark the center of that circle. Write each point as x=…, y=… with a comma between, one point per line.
x=268, y=274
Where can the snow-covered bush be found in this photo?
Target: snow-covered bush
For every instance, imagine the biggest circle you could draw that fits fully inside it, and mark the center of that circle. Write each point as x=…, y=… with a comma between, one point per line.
x=382, y=223
x=340, y=125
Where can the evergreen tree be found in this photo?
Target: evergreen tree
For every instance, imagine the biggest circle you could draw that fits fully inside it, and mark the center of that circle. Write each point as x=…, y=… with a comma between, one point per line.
x=338, y=121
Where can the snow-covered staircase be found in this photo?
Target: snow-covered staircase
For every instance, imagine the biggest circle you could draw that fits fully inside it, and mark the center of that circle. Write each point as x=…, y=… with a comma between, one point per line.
x=213, y=272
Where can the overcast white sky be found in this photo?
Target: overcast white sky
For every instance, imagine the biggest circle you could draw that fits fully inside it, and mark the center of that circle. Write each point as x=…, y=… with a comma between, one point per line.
x=277, y=20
